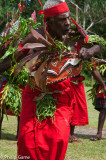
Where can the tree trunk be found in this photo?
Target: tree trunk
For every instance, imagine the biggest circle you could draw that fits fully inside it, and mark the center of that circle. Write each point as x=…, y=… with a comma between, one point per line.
x=85, y=10
x=92, y=80
x=76, y=14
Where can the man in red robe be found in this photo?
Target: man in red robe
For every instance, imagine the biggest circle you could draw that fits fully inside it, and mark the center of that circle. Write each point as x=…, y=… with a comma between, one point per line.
x=48, y=139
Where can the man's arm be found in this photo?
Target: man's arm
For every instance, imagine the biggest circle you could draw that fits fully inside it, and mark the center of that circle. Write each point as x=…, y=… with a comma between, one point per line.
x=98, y=77
x=100, y=61
x=86, y=54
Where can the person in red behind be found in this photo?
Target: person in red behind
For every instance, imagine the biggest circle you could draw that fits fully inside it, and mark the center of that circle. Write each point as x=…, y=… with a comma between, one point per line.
x=48, y=139
x=100, y=104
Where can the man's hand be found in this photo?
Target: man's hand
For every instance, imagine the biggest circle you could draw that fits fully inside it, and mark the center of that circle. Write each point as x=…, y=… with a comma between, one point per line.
x=84, y=53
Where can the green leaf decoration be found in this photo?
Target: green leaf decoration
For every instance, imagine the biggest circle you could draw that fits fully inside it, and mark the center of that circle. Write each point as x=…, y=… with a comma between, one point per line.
x=11, y=96
x=96, y=39
x=9, y=52
x=45, y=107
x=24, y=26
x=92, y=93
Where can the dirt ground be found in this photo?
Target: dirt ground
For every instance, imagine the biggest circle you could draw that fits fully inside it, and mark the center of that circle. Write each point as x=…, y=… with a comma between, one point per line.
x=87, y=132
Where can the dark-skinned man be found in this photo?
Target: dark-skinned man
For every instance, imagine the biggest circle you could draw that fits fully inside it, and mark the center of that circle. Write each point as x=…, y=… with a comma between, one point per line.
x=100, y=104
x=48, y=139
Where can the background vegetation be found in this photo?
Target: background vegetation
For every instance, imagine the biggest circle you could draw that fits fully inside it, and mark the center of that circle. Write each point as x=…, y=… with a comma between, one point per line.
x=91, y=14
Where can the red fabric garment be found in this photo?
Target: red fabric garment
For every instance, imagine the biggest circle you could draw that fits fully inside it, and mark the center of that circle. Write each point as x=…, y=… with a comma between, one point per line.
x=55, y=10
x=100, y=94
x=100, y=99
x=80, y=113
x=40, y=3
x=80, y=30
x=23, y=50
x=46, y=140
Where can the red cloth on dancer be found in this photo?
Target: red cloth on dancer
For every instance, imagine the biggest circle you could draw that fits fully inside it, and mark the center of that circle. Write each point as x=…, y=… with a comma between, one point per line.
x=100, y=94
x=80, y=113
x=55, y=10
x=100, y=99
x=46, y=140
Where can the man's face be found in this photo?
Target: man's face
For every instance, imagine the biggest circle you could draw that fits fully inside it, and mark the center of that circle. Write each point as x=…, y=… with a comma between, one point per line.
x=60, y=24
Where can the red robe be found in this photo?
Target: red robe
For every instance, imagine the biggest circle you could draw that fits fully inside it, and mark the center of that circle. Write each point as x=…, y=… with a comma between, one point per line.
x=48, y=140
x=100, y=99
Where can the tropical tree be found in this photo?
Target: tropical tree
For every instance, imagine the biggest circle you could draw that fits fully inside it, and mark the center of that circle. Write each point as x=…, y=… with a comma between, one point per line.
x=90, y=14
x=9, y=7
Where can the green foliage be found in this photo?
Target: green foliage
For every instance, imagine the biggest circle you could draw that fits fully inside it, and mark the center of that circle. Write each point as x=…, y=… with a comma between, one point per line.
x=11, y=96
x=87, y=66
x=20, y=33
x=9, y=52
x=102, y=69
x=6, y=6
x=14, y=2
x=93, y=92
x=57, y=48
x=11, y=93
x=100, y=29
x=60, y=47
x=95, y=9
x=24, y=26
x=21, y=79
x=11, y=6
x=45, y=107
x=91, y=11
x=96, y=39
x=4, y=39
x=87, y=74
x=34, y=5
